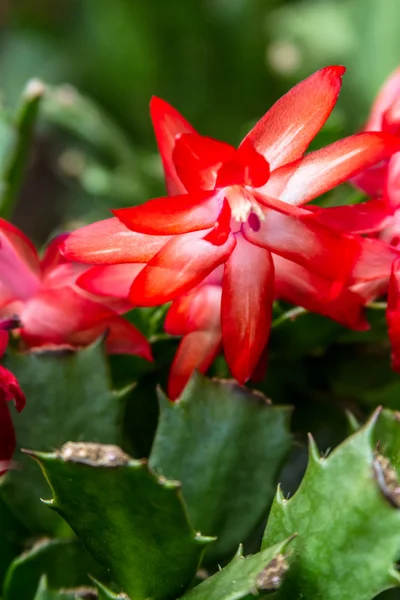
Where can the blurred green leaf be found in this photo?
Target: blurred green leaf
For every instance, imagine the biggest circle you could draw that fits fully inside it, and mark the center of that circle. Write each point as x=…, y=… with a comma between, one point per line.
x=45, y=593
x=65, y=563
x=132, y=522
x=227, y=447
x=12, y=534
x=68, y=398
x=16, y=161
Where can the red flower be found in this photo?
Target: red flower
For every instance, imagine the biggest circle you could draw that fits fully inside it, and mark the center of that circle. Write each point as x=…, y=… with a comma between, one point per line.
x=224, y=209
x=52, y=309
x=9, y=391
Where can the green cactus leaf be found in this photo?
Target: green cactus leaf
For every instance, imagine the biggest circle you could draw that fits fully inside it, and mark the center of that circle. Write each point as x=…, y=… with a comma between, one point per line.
x=346, y=514
x=227, y=447
x=65, y=562
x=133, y=523
x=69, y=398
x=105, y=594
x=45, y=593
x=245, y=577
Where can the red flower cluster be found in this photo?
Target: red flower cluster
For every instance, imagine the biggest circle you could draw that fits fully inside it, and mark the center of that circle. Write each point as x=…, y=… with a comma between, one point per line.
x=234, y=232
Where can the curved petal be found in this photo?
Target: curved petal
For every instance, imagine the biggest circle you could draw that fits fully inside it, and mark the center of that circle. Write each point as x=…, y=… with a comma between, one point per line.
x=183, y=262
x=247, y=297
x=19, y=262
x=53, y=316
x=168, y=123
x=374, y=261
x=320, y=171
x=172, y=215
x=372, y=180
x=389, y=92
x=391, y=118
x=109, y=242
x=197, y=159
x=308, y=243
x=110, y=280
x=392, y=182
x=121, y=338
x=7, y=437
x=393, y=314
x=199, y=309
x=286, y=130
x=10, y=389
x=52, y=257
x=3, y=341
x=196, y=351
x=298, y=285
x=370, y=290
x=366, y=217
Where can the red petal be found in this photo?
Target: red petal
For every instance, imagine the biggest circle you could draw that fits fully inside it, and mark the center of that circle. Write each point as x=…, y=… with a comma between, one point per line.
x=52, y=257
x=320, y=171
x=247, y=296
x=168, y=123
x=10, y=389
x=392, y=182
x=372, y=181
x=196, y=351
x=108, y=242
x=110, y=280
x=299, y=286
x=19, y=262
x=393, y=314
x=7, y=437
x=198, y=158
x=199, y=309
x=306, y=242
x=388, y=94
x=53, y=316
x=286, y=130
x=3, y=342
x=121, y=338
x=370, y=290
x=366, y=217
x=374, y=261
x=183, y=262
x=391, y=118
x=172, y=215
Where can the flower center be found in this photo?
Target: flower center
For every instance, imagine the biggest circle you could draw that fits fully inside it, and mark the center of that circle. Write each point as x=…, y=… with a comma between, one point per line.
x=243, y=205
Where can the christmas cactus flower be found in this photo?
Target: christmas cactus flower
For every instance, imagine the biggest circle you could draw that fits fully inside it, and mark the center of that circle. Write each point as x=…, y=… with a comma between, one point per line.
x=239, y=207
x=53, y=311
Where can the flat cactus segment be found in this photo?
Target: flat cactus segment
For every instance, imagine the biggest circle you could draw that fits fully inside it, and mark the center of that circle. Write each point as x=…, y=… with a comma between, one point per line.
x=133, y=522
x=348, y=524
x=69, y=398
x=226, y=444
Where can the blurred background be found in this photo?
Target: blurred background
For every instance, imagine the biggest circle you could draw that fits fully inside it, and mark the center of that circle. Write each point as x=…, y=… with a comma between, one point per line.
x=222, y=63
